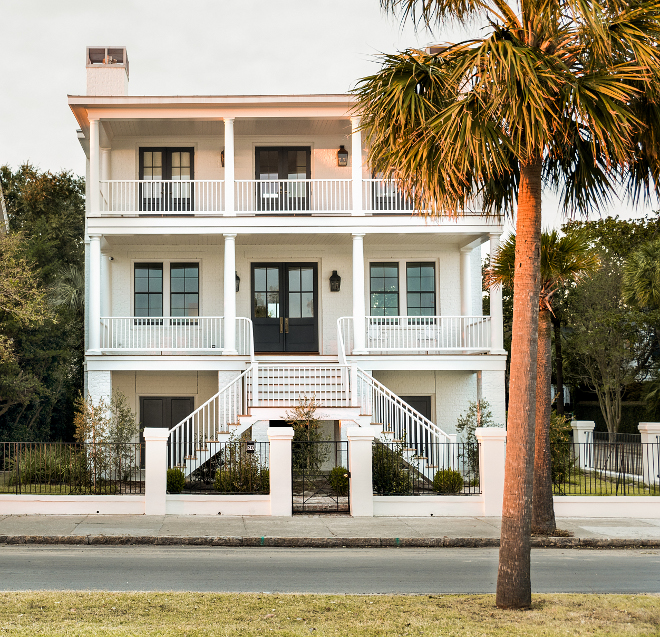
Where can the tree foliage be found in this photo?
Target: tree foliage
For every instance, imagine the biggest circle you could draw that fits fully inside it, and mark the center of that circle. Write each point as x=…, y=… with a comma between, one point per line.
x=46, y=210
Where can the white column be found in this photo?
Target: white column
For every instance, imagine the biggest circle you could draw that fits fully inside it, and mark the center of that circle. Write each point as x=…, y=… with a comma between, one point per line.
x=279, y=465
x=496, y=312
x=104, y=171
x=358, y=294
x=229, y=167
x=230, y=294
x=106, y=286
x=650, y=432
x=356, y=165
x=466, y=288
x=491, y=467
x=95, y=294
x=360, y=440
x=94, y=168
x=583, y=438
x=155, y=470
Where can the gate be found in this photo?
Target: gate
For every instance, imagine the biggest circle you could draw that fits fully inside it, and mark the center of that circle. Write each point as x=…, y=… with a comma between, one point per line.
x=320, y=478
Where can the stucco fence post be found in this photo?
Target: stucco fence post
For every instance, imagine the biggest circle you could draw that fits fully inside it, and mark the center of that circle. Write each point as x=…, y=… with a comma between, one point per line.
x=650, y=433
x=492, y=441
x=279, y=465
x=360, y=442
x=155, y=465
x=583, y=438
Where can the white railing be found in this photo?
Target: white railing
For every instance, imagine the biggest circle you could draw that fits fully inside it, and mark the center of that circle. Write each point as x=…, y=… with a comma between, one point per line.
x=344, y=337
x=385, y=196
x=396, y=416
x=162, y=333
x=210, y=419
x=174, y=333
x=286, y=196
x=157, y=197
x=427, y=333
x=286, y=384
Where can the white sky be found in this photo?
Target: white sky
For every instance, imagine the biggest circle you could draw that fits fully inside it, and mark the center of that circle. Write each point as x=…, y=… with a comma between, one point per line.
x=177, y=48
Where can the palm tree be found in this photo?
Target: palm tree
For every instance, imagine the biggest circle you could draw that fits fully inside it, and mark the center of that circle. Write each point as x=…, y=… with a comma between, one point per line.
x=559, y=93
x=563, y=259
x=641, y=277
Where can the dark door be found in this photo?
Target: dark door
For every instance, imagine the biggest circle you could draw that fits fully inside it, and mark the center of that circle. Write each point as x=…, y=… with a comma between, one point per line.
x=421, y=444
x=285, y=307
x=284, y=172
x=167, y=173
x=163, y=411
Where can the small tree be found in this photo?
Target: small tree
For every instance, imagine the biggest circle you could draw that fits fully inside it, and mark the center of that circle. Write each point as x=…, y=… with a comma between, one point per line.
x=477, y=415
x=307, y=429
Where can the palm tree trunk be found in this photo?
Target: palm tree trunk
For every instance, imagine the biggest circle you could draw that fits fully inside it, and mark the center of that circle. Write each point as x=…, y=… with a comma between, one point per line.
x=543, y=510
x=513, y=580
x=559, y=365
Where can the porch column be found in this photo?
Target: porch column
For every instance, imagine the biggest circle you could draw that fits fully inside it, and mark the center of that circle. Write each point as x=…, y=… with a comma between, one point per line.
x=106, y=286
x=104, y=170
x=95, y=294
x=94, y=169
x=155, y=470
x=492, y=441
x=230, y=294
x=281, y=497
x=358, y=294
x=356, y=165
x=466, y=288
x=360, y=441
x=230, y=210
x=496, y=313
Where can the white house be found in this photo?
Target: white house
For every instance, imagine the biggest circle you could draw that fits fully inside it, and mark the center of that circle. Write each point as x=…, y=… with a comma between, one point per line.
x=241, y=253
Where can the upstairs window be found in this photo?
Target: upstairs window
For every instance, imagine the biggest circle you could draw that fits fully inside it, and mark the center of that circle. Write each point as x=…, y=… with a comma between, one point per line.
x=148, y=287
x=420, y=289
x=384, y=289
x=184, y=289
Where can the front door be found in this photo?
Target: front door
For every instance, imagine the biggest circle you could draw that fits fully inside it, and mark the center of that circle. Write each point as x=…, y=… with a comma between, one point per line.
x=285, y=307
x=283, y=174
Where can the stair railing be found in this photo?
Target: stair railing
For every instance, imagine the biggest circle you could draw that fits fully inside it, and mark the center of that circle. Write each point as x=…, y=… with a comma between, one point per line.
x=397, y=416
x=210, y=419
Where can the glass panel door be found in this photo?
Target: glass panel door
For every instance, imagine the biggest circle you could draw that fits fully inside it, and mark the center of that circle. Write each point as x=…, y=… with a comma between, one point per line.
x=276, y=167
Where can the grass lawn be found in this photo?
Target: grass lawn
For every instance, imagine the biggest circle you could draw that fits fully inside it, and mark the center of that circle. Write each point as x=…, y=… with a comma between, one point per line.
x=590, y=483
x=190, y=614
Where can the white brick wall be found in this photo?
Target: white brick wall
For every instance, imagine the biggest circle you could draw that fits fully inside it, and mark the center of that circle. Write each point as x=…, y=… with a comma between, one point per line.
x=99, y=386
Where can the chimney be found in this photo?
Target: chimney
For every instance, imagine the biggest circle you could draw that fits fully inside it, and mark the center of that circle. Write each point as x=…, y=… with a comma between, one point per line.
x=107, y=70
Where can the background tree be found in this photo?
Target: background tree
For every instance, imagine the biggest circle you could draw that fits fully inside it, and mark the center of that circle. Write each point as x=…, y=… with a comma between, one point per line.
x=550, y=95
x=564, y=259
x=48, y=211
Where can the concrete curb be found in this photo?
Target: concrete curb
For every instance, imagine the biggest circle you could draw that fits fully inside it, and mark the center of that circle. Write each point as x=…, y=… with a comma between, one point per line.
x=320, y=542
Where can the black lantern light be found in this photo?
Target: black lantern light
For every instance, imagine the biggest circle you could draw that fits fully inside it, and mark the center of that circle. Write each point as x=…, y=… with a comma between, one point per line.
x=342, y=157
x=222, y=157
x=238, y=282
x=335, y=282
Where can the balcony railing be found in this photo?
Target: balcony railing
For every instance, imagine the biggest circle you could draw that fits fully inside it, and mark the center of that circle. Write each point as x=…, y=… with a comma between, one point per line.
x=403, y=334
x=385, y=195
x=173, y=333
x=292, y=196
x=155, y=197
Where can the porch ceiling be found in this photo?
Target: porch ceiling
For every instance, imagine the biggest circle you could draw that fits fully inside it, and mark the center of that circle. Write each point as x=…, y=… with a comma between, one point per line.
x=243, y=127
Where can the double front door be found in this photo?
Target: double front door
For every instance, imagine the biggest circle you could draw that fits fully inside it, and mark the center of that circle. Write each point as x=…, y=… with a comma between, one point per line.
x=285, y=307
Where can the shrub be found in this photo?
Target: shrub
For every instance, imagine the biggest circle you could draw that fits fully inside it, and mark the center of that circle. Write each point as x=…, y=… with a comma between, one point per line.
x=561, y=448
x=448, y=481
x=176, y=481
x=241, y=472
x=339, y=480
x=49, y=464
x=391, y=473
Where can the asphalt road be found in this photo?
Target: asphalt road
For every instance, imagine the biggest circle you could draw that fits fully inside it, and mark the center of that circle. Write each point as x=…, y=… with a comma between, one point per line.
x=319, y=570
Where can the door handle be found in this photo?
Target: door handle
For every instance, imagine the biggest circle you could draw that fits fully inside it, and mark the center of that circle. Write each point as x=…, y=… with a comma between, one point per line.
x=286, y=325
x=281, y=329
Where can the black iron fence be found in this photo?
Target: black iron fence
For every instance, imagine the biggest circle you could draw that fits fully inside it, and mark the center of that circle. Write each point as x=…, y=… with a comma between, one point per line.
x=234, y=467
x=320, y=477
x=437, y=468
x=602, y=467
x=65, y=468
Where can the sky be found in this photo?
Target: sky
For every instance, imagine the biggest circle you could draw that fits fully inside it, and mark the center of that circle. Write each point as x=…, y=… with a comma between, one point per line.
x=196, y=47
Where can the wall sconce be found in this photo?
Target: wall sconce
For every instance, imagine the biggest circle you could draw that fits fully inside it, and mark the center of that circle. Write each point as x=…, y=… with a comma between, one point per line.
x=222, y=157
x=335, y=282
x=238, y=282
x=342, y=157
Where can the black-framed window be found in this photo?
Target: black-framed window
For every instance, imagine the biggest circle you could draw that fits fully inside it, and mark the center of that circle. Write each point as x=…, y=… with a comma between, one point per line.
x=384, y=289
x=184, y=289
x=148, y=289
x=420, y=289
x=167, y=163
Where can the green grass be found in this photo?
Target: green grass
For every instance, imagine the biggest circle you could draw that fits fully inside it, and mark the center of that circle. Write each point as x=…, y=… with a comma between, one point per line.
x=590, y=483
x=191, y=614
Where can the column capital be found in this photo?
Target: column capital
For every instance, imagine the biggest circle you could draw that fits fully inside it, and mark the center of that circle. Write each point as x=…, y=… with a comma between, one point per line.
x=358, y=234
x=356, y=120
x=230, y=235
x=495, y=235
x=228, y=119
x=467, y=250
x=95, y=236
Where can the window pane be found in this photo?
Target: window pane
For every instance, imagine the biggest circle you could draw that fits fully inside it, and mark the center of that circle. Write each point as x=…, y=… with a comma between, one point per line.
x=273, y=277
x=192, y=284
x=177, y=284
x=155, y=284
x=377, y=285
x=421, y=285
x=307, y=279
x=192, y=305
x=273, y=305
x=307, y=304
x=392, y=300
x=177, y=270
x=294, y=305
x=377, y=271
x=141, y=284
x=177, y=302
x=294, y=279
x=391, y=285
x=260, y=305
x=427, y=284
x=141, y=301
x=260, y=279
x=391, y=271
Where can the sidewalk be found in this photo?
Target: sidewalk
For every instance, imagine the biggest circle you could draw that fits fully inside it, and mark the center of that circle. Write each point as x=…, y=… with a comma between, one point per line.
x=312, y=531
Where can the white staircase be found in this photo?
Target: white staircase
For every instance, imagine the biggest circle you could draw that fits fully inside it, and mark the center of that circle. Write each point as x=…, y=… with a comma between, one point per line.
x=270, y=391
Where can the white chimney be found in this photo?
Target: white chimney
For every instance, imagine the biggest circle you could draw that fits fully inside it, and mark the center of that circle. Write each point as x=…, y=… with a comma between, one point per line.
x=107, y=70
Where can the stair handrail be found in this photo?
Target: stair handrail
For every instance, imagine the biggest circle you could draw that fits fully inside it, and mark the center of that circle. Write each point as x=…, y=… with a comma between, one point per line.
x=341, y=346
x=400, y=404
x=196, y=427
